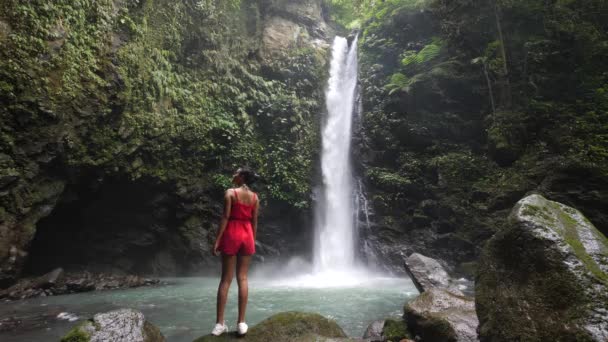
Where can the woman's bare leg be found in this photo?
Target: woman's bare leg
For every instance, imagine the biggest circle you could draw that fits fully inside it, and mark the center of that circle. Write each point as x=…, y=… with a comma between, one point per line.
x=228, y=263
x=242, y=267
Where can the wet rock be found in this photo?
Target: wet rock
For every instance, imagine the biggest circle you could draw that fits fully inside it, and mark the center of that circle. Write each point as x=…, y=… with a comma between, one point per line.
x=427, y=273
x=34, y=287
x=544, y=278
x=56, y=283
x=123, y=325
x=439, y=315
x=387, y=330
x=10, y=323
x=50, y=279
x=374, y=330
x=287, y=326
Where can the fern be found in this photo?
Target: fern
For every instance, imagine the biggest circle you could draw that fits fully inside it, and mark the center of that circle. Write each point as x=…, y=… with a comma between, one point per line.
x=427, y=54
x=398, y=82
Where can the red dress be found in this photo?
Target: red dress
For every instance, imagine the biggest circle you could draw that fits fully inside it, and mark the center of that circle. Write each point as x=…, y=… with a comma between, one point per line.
x=238, y=235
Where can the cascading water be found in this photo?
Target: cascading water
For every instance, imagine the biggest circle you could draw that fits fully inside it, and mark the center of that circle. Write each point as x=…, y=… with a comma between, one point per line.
x=335, y=236
x=340, y=199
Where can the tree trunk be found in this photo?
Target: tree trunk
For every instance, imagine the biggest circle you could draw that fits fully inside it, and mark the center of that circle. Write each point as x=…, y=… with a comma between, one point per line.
x=506, y=89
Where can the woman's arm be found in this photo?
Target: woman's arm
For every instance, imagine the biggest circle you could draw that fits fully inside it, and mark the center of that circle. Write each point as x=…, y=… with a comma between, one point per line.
x=223, y=222
x=254, y=219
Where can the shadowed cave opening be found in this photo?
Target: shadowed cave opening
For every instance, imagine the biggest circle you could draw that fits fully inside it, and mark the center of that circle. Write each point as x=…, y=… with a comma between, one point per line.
x=114, y=225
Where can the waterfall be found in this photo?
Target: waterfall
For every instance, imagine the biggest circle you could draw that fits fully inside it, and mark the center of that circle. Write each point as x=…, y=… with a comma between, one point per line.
x=335, y=229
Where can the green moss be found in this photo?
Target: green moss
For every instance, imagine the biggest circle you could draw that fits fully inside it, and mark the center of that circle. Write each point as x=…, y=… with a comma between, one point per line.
x=538, y=211
x=395, y=330
x=160, y=89
x=458, y=169
x=286, y=326
x=386, y=179
x=431, y=327
x=570, y=235
x=77, y=334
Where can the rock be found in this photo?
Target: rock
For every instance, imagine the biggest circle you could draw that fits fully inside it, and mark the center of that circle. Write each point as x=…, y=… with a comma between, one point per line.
x=56, y=283
x=280, y=34
x=394, y=330
x=298, y=23
x=123, y=325
x=427, y=273
x=287, y=326
x=50, y=279
x=374, y=330
x=439, y=315
x=544, y=277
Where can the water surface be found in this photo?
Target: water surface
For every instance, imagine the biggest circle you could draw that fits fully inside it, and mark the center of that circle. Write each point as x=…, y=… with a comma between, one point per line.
x=185, y=309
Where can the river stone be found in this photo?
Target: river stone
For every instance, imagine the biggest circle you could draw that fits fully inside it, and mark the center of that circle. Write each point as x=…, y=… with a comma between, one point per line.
x=288, y=327
x=439, y=315
x=544, y=278
x=374, y=330
x=427, y=273
x=122, y=325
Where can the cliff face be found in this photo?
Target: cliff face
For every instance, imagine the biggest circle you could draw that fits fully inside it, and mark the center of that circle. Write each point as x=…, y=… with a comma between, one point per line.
x=121, y=122
x=467, y=108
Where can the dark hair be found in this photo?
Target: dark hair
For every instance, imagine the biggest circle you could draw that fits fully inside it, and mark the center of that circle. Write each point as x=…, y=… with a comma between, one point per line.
x=249, y=176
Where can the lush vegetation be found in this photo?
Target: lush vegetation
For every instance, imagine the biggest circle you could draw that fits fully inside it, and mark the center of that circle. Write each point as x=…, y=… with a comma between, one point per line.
x=170, y=96
x=469, y=105
x=158, y=89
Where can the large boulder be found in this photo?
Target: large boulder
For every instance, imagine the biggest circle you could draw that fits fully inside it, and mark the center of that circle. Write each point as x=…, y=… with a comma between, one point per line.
x=441, y=312
x=439, y=315
x=122, y=325
x=288, y=327
x=544, y=278
x=427, y=273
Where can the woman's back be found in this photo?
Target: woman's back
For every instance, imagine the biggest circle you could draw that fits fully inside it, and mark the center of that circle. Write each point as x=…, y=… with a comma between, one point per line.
x=244, y=196
x=243, y=204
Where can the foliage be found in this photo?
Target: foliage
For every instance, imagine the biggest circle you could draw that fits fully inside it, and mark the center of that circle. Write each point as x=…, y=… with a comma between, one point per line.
x=354, y=14
x=427, y=54
x=158, y=89
x=387, y=179
x=478, y=103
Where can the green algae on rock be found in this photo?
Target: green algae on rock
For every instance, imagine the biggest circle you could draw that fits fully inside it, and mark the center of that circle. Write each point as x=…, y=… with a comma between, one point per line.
x=122, y=325
x=288, y=327
x=395, y=330
x=545, y=277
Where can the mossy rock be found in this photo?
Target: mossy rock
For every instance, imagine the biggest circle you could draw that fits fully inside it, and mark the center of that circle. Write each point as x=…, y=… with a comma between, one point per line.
x=286, y=326
x=395, y=330
x=77, y=334
x=544, y=278
x=123, y=325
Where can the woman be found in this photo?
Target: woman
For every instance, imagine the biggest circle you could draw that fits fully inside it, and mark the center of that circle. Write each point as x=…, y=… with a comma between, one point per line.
x=236, y=241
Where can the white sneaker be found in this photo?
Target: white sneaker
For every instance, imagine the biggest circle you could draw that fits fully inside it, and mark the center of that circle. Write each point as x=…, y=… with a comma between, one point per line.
x=242, y=328
x=219, y=329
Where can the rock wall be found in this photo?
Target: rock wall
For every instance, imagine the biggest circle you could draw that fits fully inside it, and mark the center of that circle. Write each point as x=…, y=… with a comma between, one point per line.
x=121, y=122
